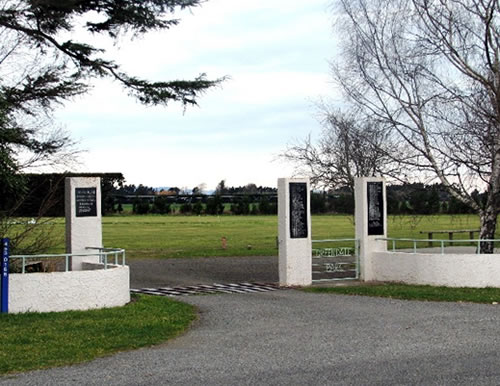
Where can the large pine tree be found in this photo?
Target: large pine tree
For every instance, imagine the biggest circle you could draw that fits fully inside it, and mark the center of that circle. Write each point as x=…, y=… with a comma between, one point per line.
x=43, y=62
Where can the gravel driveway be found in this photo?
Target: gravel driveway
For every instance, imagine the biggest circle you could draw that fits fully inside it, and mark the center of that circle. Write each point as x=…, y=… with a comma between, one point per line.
x=205, y=270
x=289, y=337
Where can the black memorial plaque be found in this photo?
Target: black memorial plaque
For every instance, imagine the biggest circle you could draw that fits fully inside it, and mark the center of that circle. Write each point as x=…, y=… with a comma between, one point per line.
x=86, y=202
x=375, y=209
x=298, y=210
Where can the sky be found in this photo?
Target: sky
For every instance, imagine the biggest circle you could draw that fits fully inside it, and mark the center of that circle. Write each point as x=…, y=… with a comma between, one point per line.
x=276, y=56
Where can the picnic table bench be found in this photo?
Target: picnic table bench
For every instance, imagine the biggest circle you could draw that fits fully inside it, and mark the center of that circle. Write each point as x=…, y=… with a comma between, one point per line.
x=450, y=233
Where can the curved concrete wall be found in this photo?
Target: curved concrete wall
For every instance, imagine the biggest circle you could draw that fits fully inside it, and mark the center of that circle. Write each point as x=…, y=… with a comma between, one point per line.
x=74, y=290
x=451, y=270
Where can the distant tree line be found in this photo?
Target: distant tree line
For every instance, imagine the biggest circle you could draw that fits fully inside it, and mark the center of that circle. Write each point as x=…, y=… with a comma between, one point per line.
x=45, y=197
x=409, y=199
x=205, y=204
x=405, y=199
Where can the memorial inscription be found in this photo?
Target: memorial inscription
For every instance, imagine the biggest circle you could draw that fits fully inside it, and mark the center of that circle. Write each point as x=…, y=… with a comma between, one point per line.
x=375, y=209
x=298, y=210
x=86, y=202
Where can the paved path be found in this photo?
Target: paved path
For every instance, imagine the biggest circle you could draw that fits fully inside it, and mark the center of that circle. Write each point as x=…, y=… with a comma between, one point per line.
x=154, y=273
x=294, y=338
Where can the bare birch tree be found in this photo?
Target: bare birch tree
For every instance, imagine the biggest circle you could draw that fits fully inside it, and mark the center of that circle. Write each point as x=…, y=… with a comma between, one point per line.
x=347, y=148
x=428, y=71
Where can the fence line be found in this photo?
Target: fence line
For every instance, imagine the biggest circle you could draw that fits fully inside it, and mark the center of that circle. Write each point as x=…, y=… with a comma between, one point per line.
x=476, y=242
x=103, y=253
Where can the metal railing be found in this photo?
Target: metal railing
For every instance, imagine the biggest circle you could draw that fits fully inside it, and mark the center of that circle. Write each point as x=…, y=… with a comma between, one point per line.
x=475, y=243
x=337, y=269
x=104, y=254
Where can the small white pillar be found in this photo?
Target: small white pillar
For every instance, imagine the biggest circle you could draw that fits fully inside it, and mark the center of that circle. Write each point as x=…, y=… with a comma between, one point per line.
x=83, y=218
x=371, y=220
x=294, y=232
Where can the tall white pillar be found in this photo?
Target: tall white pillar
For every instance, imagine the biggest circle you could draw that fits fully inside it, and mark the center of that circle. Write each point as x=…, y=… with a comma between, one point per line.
x=294, y=232
x=371, y=220
x=83, y=218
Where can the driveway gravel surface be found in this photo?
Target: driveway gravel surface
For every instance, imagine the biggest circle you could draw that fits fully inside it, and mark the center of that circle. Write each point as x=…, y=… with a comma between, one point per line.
x=204, y=270
x=289, y=337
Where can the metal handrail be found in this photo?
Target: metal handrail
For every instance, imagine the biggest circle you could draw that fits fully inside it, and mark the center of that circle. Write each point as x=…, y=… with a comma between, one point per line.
x=103, y=257
x=440, y=241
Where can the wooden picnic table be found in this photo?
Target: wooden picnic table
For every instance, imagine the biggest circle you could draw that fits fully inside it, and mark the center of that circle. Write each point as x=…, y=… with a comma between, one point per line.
x=450, y=233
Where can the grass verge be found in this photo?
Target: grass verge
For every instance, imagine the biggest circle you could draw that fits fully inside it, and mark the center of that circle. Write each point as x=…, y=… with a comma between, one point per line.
x=417, y=292
x=39, y=340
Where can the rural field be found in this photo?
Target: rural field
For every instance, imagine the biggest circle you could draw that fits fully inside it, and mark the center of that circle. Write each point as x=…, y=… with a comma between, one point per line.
x=198, y=236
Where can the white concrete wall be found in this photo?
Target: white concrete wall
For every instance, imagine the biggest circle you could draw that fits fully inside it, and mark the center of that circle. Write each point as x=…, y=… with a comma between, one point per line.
x=74, y=290
x=82, y=232
x=295, y=255
x=451, y=270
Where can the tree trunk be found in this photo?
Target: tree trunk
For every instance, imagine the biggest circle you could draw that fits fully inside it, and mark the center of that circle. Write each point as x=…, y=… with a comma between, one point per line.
x=488, y=219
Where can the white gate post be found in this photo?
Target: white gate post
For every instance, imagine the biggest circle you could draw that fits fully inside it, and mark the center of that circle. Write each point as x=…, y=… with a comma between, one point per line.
x=371, y=221
x=294, y=232
x=83, y=218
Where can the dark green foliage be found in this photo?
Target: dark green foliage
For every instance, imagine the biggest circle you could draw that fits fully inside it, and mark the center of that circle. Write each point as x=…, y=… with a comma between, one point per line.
x=44, y=194
x=254, y=209
x=197, y=208
x=40, y=24
x=214, y=205
x=186, y=207
x=241, y=206
x=160, y=205
x=267, y=206
x=457, y=207
x=141, y=206
x=342, y=203
x=318, y=203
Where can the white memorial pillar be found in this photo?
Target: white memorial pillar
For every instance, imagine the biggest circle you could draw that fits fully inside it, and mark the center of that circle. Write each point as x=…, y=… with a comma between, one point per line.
x=371, y=220
x=83, y=218
x=294, y=232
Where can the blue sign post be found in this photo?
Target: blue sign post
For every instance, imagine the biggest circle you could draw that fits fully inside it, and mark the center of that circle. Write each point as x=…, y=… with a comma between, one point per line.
x=4, y=306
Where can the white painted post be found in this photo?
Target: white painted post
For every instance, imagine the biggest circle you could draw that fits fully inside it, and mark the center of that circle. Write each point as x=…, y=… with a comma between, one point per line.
x=294, y=232
x=371, y=220
x=83, y=218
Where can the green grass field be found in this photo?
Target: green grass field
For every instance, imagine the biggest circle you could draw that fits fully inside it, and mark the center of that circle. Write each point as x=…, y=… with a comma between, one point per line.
x=197, y=236
x=416, y=292
x=39, y=340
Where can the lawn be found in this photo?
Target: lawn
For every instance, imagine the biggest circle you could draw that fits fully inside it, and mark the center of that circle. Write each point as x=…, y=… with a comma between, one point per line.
x=197, y=236
x=39, y=340
x=416, y=292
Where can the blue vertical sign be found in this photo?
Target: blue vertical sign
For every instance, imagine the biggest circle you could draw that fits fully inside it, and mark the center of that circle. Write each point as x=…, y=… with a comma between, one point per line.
x=4, y=307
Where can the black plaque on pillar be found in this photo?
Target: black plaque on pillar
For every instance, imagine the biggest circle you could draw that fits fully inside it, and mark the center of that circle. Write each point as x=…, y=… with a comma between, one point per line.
x=375, y=208
x=86, y=202
x=298, y=210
